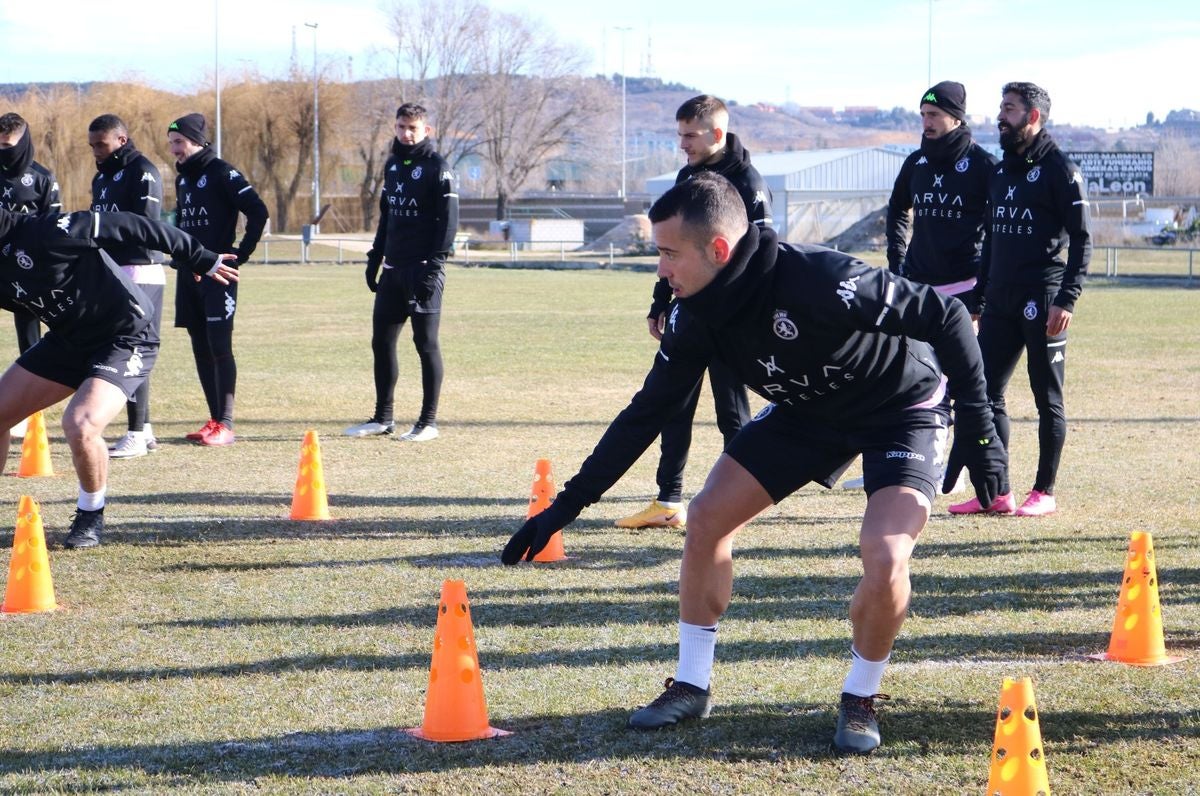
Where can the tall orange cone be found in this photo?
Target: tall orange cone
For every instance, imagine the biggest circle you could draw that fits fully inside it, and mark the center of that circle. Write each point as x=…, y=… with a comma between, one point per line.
x=539, y=500
x=35, y=449
x=1018, y=764
x=30, y=589
x=1137, y=634
x=309, y=501
x=455, y=708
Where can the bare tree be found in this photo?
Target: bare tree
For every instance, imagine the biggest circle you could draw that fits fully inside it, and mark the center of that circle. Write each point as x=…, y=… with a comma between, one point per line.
x=1176, y=166
x=536, y=102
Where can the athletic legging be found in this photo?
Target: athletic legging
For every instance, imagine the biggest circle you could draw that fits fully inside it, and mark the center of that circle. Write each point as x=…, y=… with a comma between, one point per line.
x=212, y=347
x=1014, y=323
x=138, y=408
x=384, y=336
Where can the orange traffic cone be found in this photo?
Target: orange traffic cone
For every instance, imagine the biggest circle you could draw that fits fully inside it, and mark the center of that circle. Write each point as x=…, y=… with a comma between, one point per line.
x=539, y=500
x=30, y=589
x=455, y=708
x=309, y=501
x=1018, y=764
x=35, y=449
x=1137, y=634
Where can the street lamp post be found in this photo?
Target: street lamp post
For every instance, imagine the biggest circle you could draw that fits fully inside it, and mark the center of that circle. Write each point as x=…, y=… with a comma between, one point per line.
x=623, y=31
x=316, y=184
x=217, y=67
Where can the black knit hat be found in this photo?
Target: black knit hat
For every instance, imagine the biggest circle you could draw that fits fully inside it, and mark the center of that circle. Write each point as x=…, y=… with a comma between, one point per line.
x=191, y=127
x=949, y=96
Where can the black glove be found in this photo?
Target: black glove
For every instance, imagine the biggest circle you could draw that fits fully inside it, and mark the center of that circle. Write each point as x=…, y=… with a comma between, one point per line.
x=537, y=530
x=372, y=271
x=977, y=448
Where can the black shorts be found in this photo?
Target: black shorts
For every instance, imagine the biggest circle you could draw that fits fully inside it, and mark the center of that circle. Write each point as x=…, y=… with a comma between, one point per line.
x=784, y=453
x=125, y=361
x=408, y=289
x=203, y=302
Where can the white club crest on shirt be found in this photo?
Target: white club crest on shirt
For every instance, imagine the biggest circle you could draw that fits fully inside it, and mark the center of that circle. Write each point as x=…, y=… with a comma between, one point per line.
x=27, y=179
x=24, y=260
x=417, y=172
x=1034, y=173
x=1031, y=311
x=117, y=177
x=784, y=327
x=962, y=165
x=200, y=183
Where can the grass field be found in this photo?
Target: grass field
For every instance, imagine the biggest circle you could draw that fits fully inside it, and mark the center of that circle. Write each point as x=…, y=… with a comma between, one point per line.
x=213, y=646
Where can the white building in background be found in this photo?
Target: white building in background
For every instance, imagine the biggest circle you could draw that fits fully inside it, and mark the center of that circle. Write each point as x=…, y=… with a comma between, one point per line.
x=819, y=193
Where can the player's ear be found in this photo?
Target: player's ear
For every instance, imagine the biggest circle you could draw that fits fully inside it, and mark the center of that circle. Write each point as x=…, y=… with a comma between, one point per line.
x=721, y=249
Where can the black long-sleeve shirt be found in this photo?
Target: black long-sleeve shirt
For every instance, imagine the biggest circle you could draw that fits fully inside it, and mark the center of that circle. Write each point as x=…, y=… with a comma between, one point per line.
x=126, y=181
x=1037, y=208
x=418, y=208
x=209, y=194
x=53, y=265
x=816, y=332
x=941, y=195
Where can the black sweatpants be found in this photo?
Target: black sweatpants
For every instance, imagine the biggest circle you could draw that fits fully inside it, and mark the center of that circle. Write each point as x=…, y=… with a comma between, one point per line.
x=408, y=293
x=1014, y=319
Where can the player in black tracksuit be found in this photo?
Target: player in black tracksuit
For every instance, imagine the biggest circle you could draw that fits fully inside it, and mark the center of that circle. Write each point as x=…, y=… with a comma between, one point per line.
x=26, y=186
x=418, y=217
x=1028, y=285
x=101, y=341
x=209, y=195
x=703, y=123
x=126, y=181
x=848, y=355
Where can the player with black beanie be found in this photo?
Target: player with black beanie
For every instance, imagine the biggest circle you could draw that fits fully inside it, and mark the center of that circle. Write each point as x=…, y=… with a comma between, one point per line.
x=209, y=195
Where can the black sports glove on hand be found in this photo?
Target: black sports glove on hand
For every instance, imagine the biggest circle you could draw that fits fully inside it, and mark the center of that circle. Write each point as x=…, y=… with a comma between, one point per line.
x=977, y=448
x=372, y=270
x=537, y=530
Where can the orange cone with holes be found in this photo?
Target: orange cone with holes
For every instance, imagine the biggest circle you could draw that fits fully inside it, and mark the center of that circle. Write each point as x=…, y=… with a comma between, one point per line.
x=35, y=449
x=30, y=588
x=1018, y=763
x=539, y=500
x=455, y=708
x=1137, y=634
x=309, y=501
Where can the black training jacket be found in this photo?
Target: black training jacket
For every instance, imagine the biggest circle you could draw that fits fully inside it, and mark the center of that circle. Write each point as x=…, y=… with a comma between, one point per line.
x=418, y=208
x=941, y=195
x=209, y=194
x=814, y=331
x=1038, y=208
x=128, y=182
x=53, y=266
x=734, y=166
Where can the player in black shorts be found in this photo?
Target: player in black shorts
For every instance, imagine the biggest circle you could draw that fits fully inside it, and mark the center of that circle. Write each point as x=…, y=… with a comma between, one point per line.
x=848, y=355
x=101, y=342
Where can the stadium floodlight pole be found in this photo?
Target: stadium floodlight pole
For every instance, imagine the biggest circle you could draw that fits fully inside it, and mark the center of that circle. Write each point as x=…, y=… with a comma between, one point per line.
x=316, y=186
x=623, y=31
x=217, y=66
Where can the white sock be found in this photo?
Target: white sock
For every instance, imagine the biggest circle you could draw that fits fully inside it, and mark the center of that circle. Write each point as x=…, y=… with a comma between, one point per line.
x=697, y=646
x=865, y=676
x=671, y=504
x=91, y=501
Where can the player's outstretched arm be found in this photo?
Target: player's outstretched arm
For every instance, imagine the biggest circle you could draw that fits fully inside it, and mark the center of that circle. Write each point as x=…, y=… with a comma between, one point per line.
x=537, y=530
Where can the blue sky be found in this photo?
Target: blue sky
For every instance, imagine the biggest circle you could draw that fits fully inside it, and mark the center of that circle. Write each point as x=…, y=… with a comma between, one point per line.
x=1105, y=62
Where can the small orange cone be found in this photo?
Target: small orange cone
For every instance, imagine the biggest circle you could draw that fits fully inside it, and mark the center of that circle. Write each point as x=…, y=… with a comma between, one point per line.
x=455, y=708
x=30, y=588
x=539, y=500
x=309, y=501
x=35, y=449
x=1018, y=764
x=1137, y=634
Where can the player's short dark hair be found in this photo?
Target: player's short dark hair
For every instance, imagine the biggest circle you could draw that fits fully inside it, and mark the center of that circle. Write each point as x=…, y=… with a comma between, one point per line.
x=703, y=106
x=707, y=202
x=107, y=122
x=411, y=110
x=1032, y=96
x=12, y=123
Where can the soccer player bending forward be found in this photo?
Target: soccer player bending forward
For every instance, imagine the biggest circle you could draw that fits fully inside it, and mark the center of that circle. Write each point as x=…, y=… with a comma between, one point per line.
x=852, y=360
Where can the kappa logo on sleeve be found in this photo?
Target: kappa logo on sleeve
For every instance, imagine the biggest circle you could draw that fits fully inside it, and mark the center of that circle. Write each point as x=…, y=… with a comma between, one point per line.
x=64, y=222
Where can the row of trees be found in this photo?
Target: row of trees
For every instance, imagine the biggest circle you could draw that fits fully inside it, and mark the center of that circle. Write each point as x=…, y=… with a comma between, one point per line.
x=506, y=101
